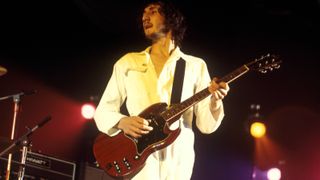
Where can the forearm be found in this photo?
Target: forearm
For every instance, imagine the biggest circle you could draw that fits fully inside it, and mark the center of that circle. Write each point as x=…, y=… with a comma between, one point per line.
x=209, y=115
x=107, y=121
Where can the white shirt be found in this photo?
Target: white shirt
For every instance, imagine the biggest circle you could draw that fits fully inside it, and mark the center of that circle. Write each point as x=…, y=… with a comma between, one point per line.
x=134, y=78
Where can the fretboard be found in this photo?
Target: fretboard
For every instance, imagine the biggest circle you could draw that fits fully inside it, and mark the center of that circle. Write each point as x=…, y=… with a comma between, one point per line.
x=178, y=109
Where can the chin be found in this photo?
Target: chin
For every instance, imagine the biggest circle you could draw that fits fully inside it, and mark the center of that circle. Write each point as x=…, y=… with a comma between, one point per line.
x=154, y=36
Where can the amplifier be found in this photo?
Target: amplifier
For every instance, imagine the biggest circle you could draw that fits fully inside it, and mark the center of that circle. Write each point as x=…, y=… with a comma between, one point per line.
x=40, y=167
x=91, y=172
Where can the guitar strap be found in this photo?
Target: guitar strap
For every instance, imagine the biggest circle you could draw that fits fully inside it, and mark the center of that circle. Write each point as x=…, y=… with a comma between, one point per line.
x=178, y=81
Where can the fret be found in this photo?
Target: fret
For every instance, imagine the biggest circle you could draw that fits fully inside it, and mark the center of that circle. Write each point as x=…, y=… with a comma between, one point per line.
x=235, y=74
x=186, y=104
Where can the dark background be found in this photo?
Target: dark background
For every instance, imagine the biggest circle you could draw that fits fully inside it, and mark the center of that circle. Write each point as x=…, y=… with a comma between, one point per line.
x=66, y=49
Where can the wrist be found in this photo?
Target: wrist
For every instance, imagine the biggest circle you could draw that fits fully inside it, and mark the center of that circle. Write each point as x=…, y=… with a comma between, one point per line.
x=215, y=104
x=119, y=124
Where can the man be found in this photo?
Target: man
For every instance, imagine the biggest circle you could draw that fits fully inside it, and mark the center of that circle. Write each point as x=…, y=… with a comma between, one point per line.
x=145, y=78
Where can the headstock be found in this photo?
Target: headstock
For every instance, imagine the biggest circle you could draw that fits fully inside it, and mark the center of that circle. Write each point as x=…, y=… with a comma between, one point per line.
x=265, y=63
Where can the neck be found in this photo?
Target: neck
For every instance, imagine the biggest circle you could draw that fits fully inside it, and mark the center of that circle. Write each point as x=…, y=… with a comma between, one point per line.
x=163, y=47
x=161, y=51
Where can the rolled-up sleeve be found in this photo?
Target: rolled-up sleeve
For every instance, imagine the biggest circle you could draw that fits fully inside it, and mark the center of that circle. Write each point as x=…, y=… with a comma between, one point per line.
x=208, y=118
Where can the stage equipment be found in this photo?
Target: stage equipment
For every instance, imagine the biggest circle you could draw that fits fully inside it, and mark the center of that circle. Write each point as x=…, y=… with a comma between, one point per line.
x=40, y=167
x=16, y=100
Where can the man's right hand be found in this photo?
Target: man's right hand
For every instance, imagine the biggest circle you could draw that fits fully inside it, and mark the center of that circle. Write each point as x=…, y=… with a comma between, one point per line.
x=134, y=126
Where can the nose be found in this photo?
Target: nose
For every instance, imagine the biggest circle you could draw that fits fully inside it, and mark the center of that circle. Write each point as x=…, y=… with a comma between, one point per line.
x=145, y=17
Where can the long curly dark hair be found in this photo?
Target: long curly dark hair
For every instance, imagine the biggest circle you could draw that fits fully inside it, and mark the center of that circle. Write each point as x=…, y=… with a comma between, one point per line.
x=174, y=20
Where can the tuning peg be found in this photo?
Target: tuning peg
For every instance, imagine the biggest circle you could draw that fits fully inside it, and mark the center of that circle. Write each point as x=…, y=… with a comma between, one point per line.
x=277, y=66
x=263, y=71
x=267, y=55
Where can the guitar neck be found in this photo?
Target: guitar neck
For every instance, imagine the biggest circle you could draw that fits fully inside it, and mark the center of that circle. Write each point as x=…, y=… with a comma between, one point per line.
x=177, y=109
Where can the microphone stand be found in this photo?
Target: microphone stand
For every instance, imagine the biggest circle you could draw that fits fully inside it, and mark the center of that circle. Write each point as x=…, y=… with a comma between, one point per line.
x=25, y=143
x=16, y=101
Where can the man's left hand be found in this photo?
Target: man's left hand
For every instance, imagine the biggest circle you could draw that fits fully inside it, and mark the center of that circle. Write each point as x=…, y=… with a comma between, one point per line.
x=218, y=90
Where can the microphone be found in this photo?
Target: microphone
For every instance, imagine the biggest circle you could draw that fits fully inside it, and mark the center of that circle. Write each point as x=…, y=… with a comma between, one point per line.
x=22, y=93
x=29, y=92
x=43, y=122
x=26, y=135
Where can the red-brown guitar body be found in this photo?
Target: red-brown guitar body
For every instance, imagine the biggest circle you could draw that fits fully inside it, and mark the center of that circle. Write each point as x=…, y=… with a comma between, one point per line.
x=123, y=156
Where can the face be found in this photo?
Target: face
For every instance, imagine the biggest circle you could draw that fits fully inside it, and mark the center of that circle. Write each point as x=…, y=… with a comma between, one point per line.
x=153, y=22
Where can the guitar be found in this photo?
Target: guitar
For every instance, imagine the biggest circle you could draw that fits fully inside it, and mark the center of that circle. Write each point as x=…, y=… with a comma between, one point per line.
x=124, y=156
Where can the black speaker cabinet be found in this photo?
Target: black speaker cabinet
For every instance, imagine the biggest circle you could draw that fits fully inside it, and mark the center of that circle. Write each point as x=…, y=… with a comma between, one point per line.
x=90, y=172
x=39, y=167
